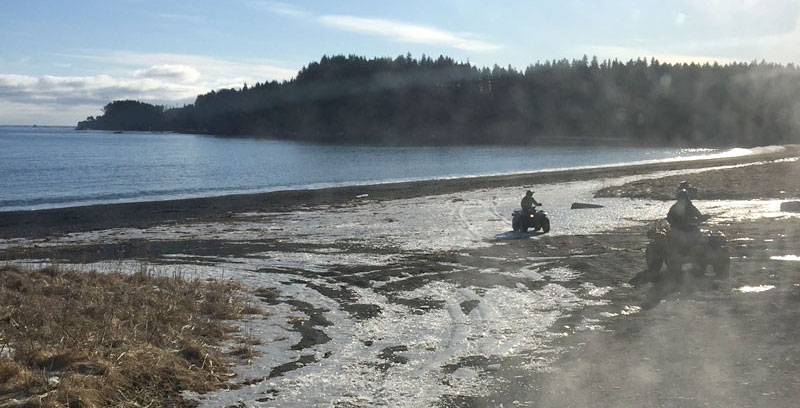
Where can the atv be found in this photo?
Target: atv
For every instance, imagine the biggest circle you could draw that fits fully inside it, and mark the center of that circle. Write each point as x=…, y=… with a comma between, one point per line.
x=536, y=219
x=686, y=252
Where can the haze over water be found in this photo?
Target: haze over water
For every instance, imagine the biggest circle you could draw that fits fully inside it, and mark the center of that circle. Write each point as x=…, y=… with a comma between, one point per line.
x=61, y=167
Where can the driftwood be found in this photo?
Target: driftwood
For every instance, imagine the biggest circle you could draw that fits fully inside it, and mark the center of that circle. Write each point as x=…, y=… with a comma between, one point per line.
x=790, y=206
x=578, y=206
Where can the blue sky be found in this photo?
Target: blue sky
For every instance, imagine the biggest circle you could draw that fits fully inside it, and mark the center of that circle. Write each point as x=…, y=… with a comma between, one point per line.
x=61, y=61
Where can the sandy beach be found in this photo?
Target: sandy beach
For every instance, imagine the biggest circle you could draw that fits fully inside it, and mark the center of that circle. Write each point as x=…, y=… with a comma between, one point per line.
x=418, y=294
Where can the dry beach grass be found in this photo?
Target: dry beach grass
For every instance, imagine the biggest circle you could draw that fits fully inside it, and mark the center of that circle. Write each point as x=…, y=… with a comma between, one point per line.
x=86, y=339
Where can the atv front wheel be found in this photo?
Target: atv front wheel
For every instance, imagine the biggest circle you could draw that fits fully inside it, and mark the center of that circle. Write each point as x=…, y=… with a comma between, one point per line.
x=721, y=263
x=654, y=258
x=545, y=225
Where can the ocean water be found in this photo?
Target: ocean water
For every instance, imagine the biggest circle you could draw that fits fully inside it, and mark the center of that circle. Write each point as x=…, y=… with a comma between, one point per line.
x=60, y=167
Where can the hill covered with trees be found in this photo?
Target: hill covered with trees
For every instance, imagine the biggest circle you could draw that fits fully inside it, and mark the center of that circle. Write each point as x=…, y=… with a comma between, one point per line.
x=399, y=101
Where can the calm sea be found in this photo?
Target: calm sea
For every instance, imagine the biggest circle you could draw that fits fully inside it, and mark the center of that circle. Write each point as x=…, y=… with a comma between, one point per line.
x=60, y=167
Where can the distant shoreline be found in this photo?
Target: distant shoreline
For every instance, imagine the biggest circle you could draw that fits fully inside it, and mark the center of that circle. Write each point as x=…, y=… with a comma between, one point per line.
x=130, y=198
x=45, y=222
x=407, y=101
x=548, y=141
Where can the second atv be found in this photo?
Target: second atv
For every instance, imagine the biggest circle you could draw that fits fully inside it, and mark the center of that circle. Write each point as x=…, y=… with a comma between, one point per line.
x=535, y=219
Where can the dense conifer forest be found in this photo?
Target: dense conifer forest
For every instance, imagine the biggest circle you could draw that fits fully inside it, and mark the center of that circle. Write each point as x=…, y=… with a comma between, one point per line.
x=407, y=101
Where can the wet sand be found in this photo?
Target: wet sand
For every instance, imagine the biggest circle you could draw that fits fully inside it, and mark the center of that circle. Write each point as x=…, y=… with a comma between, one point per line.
x=717, y=346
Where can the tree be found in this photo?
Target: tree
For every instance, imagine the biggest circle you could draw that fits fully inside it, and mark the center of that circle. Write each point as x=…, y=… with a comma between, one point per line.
x=401, y=100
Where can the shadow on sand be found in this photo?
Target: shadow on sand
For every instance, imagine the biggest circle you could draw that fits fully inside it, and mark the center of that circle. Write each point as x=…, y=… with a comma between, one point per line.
x=663, y=285
x=518, y=235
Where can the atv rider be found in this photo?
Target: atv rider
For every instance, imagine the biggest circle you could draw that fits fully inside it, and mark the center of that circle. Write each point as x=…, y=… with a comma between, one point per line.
x=683, y=215
x=683, y=218
x=528, y=202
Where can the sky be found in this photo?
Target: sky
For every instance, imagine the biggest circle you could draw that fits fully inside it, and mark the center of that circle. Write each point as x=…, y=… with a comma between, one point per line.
x=61, y=61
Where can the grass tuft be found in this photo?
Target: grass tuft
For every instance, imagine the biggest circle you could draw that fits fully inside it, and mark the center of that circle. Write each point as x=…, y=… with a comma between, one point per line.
x=86, y=339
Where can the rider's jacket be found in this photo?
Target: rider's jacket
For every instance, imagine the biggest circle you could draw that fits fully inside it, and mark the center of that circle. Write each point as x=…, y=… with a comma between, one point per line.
x=683, y=215
x=527, y=203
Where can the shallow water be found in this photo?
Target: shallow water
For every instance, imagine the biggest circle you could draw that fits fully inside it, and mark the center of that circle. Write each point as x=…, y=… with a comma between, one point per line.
x=61, y=167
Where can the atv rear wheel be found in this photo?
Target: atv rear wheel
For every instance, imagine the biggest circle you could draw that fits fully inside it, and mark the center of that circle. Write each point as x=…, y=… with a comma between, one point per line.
x=515, y=224
x=545, y=225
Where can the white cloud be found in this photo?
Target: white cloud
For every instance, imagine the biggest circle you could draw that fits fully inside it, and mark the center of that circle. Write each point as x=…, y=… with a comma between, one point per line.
x=393, y=30
x=680, y=19
x=277, y=7
x=724, y=18
x=630, y=53
x=12, y=113
x=214, y=72
x=721, y=10
x=404, y=32
x=170, y=79
x=98, y=89
x=182, y=73
x=55, y=100
x=781, y=47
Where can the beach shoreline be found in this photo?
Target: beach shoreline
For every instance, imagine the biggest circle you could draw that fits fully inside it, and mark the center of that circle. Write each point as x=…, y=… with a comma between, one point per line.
x=45, y=222
x=485, y=316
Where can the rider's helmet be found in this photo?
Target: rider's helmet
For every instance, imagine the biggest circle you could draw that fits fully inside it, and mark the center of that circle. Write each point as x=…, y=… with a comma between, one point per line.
x=682, y=194
x=529, y=193
x=684, y=184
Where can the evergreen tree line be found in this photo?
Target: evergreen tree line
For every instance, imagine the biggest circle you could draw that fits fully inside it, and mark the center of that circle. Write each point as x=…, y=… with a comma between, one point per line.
x=352, y=99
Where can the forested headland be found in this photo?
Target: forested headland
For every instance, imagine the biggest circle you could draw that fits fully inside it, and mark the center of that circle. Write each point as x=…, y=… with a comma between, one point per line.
x=406, y=101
